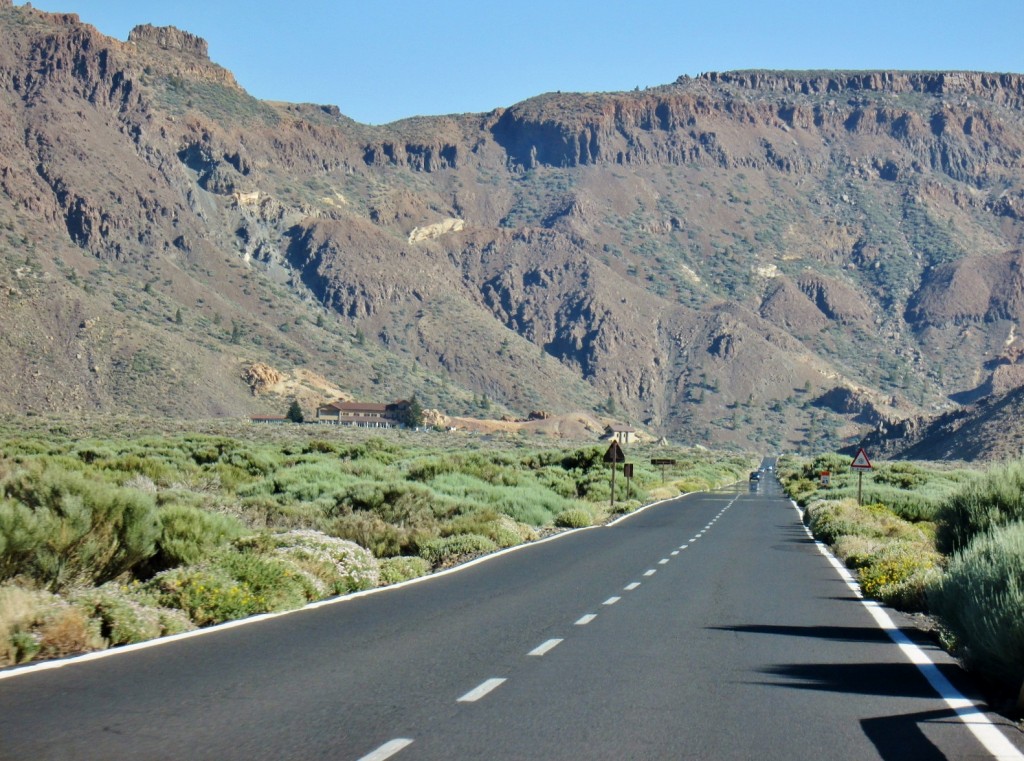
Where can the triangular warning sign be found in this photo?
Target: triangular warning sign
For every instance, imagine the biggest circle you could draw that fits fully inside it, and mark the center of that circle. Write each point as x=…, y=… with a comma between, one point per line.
x=861, y=461
x=614, y=453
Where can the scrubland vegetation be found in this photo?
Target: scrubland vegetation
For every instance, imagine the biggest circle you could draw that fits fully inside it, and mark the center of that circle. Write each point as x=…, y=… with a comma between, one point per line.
x=114, y=540
x=929, y=538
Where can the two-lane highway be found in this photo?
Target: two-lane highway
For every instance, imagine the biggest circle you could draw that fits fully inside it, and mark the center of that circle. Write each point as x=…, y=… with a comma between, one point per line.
x=706, y=627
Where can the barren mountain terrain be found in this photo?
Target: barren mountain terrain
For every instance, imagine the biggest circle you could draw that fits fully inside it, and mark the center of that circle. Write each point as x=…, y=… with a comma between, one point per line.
x=769, y=259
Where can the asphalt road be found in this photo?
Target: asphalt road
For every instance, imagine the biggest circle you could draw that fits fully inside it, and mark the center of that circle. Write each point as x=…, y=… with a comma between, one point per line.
x=709, y=627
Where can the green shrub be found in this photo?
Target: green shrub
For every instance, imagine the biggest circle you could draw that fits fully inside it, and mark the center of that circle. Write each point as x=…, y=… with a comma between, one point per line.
x=574, y=517
x=441, y=551
x=898, y=574
x=207, y=595
x=333, y=565
x=995, y=499
x=981, y=599
x=124, y=619
x=189, y=535
x=399, y=569
x=61, y=528
x=374, y=533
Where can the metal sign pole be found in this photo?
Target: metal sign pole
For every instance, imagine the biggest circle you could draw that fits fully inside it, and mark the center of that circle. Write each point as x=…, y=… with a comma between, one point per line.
x=613, y=485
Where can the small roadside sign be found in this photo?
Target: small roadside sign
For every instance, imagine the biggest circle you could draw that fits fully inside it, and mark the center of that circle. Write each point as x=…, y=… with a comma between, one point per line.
x=861, y=461
x=627, y=470
x=614, y=453
x=826, y=478
x=662, y=462
x=860, y=464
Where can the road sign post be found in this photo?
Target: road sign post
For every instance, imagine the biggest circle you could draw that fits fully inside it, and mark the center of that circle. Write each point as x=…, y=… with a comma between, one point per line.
x=860, y=464
x=627, y=471
x=662, y=463
x=612, y=456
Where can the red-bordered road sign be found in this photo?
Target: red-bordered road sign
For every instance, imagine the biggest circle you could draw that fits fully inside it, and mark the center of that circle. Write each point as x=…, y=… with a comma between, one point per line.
x=861, y=461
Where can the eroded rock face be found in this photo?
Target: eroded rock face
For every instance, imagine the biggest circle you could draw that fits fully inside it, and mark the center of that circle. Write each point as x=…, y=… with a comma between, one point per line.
x=260, y=377
x=170, y=38
x=721, y=240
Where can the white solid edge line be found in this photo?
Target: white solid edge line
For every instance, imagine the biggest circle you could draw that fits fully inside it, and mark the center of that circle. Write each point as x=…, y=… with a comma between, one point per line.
x=387, y=750
x=639, y=510
x=545, y=647
x=584, y=620
x=969, y=712
x=478, y=692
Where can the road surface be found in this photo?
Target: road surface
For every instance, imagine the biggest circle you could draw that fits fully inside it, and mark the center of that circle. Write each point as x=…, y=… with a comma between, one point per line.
x=708, y=627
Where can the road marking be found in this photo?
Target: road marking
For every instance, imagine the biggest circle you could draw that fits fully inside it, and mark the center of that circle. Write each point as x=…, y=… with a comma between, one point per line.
x=650, y=572
x=683, y=546
x=387, y=750
x=611, y=600
x=475, y=694
x=970, y=713
x=663, y=561
x=632, y=586
x=545, y=647
x=584, y=620
x=694, y=539
x=675, y=552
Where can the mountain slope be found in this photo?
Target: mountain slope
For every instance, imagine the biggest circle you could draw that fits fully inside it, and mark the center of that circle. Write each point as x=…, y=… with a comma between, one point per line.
x=717, y=258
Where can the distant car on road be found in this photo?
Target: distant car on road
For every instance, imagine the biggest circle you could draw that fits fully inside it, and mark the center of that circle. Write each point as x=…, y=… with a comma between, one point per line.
x=755, y=475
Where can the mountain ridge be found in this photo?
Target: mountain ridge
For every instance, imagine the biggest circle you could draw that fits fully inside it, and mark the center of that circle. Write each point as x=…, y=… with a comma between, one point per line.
x=719, y=258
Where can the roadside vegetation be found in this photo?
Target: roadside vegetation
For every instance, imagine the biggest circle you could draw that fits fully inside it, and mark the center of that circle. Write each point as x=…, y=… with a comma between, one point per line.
x=112, y=540
x=929, y=538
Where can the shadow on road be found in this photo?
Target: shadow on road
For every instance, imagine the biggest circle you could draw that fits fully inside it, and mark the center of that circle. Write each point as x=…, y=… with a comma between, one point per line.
x=838, y=633
x=901, y=737
x=887, y=679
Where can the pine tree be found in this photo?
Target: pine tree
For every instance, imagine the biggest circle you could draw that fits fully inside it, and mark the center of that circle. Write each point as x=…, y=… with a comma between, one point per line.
x=412, y=416
x=295, y=412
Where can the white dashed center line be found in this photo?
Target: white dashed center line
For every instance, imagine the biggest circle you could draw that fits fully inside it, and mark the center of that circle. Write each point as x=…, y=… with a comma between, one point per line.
x=611, y=600
x=387, y=750
x=586, y=619
x=475, y=694
x=631, y=587
x=545, y=647
x=675, y=552
x=650, y=572
x=663, y=561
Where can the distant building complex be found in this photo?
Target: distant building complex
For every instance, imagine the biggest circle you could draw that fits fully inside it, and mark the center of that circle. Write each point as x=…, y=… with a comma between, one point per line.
x=363, y=415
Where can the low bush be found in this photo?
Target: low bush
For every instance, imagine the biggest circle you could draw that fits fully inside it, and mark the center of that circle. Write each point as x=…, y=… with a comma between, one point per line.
x=399, y=569
x=124, y=619
x=995, y=499
x=207, y=595
x=62, y=529
x=333, y=565
x=189, y=535
x=898, y=574
x=439, y=552
x=981, y=599
x=574, y=517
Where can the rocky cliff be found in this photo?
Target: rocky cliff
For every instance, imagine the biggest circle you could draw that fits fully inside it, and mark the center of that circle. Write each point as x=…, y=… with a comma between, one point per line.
x=708, y=258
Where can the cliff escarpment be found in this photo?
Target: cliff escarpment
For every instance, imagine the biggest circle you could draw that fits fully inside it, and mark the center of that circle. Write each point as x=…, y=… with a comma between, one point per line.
x=709, y=258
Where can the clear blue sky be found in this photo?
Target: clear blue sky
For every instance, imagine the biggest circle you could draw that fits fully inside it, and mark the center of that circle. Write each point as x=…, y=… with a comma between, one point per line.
x=381, y=60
